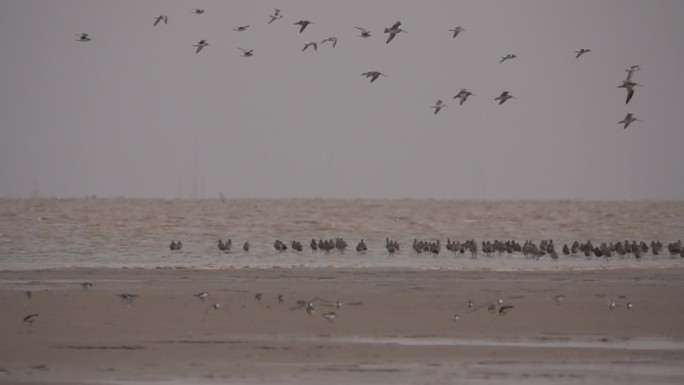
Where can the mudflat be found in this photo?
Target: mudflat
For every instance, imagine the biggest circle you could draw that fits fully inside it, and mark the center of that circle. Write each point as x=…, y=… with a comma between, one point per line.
x=389, y=326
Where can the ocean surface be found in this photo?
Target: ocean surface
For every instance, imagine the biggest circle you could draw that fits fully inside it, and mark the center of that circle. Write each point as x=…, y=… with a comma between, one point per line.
x=136, y=233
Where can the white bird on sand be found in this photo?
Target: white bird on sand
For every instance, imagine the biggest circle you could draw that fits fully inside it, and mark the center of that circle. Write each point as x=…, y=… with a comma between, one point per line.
x=581, y=51
x=611, y=304
x=275, y=16
x=330, y=316
x=508, y=57
x=159, y=18
x=438, y=106
x=629, y=119
x=629, y=86
x=504, y=96
x=82, y=37
x=463, y=95
x=364, y=32
x=457, y=30
x=241, y=28
x=331, y=39
x=303, y=24
x=202, y=295
x=201, y=44
x=310, y=44
x=128, y=298
x=393, y=31
x=246, y=53
x=630, y=306
x=373, y=75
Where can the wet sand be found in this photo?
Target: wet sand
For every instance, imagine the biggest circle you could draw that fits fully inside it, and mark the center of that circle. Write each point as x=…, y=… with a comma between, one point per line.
x=394, y=326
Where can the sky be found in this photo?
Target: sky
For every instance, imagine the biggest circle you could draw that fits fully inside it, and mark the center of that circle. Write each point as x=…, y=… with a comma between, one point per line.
x=135, y=112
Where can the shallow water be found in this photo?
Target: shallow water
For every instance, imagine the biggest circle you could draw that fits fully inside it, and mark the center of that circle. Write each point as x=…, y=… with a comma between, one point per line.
x=58, y=233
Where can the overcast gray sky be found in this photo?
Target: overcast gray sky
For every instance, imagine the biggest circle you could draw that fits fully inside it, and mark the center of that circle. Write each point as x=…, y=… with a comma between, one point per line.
x=135, y=112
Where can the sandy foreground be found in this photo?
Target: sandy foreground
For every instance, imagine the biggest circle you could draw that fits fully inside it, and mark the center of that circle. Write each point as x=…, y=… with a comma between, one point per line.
x=394, y=326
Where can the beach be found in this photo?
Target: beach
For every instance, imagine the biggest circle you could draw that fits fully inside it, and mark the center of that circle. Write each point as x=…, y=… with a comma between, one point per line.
x=393, y=326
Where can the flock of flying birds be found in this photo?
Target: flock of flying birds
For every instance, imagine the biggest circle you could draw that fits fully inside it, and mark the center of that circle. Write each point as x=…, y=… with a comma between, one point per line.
x=392, y=32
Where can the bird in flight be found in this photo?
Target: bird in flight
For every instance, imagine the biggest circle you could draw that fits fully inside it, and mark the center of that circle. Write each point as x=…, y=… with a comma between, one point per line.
x=508, y=57
x=463, y=95
x=201, y=44
x=331, y=39
x=160, y=18
x=198, y=11
x=364, y=32
x=373, y=75
x=82, y=37
x=310, y=44
x=303, y=24
x=246, y=53
x=581, y=51
x=241, y=28
x=629, y=86
x=438, y=106
x=504, y=96
x=393, y=31
x=629, y=119
x=275, y=16
x=457, y=30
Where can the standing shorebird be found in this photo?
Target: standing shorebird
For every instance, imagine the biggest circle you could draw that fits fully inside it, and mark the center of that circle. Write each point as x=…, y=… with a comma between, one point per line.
x=245, y=247
x=215, y=306
x=82, y=37
x=241, y=28
x=503, y=310
x=507, y=57
x=30, y=318
x=246, y=52
x=128, y=298
x=202, y=295
x=303, y=24
x=275, y=16
x=331, y=39
x=28, y=294
x=310, y=44
x=330, y=316
x=438, y=106
x=630, y=306
x=457, y=30
x=201, y=44
x=504, y=96
x=281, y=298
x=629, y=86
x=86, y=285
x=611, y=304
x=373, y=75
x=559, y=299
x=258, y=296
x=161, y=18
x=581, y=51
x=364, y=32
x=463, y=95
x=629, y=119
x=393, y=31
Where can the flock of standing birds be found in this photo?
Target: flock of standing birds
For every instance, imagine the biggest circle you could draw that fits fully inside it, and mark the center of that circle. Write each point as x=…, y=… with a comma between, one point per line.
x=628, y=84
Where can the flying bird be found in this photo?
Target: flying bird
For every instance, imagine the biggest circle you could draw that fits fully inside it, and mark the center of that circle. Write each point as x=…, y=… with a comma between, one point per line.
x=438, y=106
x=82, y=37
x=275, y=16
x=507, y=57
x=331, y=39
x=373, y=75
x=198, y=11
x=303, y=24
x=364, y=32
x=504, y=96
x=629, y=119
x=393, y=31
x=629, y=86
x=581, y=52
x=631, y=70
x=463, y=95
x=201, y=44
x=457, y=30
x=246, y=53
x=310, y=44
x=159, y=18
x=241, y=28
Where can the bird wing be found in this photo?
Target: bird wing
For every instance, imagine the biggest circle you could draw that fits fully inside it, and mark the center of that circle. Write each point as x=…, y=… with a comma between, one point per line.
x=630, y=93
x=396, y=25
x=391, y=36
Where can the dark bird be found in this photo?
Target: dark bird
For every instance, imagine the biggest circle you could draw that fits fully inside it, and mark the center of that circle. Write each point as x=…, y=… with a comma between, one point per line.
x=201, y=44
x=128, y=298
x=160, y=18
x=82, y=37
x=581, y=51
x=28, y=294
x=275, y=16
x=30, y=318
x=303, y=24
x=504, y=96
x=393, y=31
x=373, y=75
x=258, y=296
x=86, y=285
x=503, y=310
x=202, y=295
x=457, y=30
x=629, y=119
